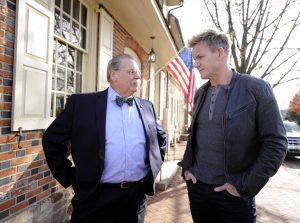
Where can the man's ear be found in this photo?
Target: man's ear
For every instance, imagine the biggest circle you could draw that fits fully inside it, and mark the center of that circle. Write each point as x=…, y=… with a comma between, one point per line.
x=112, y=75
x=221, y=51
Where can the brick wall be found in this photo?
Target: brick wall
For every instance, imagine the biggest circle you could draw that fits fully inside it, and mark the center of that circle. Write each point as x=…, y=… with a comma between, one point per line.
x=7, y=18
x=26, y=184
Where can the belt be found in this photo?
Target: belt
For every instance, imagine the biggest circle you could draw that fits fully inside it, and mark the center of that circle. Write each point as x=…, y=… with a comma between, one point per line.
x=122, y=185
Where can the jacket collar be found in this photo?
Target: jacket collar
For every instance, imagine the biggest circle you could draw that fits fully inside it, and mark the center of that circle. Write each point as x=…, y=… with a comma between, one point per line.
x=101, y=105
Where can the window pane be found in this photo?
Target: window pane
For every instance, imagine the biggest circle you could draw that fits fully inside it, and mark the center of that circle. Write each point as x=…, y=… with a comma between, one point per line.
x=59, y=103
x=66, y=27
x=57, y=3
x=61, y=53
x=67, y=6
x=78, y=82
x=83, y=38
x=83, y=15
x=60, y=79
x=75, y=34
x=79, y=61
x=54, y=51
x=52, y=104
x=76, y=7
x=70, y=24
x=70, y=82
x=57, y=19
x=53, y=77
x=71, y=57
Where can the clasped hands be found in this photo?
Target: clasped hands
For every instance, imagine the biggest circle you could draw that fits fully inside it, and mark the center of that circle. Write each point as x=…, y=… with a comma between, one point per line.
x=227, y=186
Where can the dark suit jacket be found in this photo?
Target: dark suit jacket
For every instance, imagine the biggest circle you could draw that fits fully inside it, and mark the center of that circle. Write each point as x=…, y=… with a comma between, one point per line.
x=82, y=123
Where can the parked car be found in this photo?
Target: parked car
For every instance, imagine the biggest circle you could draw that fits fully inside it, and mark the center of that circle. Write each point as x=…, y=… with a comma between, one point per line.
x=293, y=135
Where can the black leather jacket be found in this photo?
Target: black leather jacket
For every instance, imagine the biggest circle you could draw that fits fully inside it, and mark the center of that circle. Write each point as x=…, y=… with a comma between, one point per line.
x=255, y=142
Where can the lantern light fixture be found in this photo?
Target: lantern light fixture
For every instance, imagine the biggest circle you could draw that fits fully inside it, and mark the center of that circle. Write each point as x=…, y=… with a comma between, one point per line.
x=152, y=54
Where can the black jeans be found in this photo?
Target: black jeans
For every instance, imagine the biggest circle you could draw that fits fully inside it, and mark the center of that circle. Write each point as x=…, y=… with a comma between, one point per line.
x=112, y=205
x=208, y=206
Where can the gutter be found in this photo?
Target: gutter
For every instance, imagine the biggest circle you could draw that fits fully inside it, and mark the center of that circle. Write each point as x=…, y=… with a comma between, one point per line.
x=166, y=21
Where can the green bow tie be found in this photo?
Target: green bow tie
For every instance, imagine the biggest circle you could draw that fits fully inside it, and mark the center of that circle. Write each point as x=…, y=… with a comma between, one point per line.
x=121, y=100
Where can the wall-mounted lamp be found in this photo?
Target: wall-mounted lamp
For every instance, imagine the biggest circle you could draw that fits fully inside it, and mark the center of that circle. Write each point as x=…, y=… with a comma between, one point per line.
x=152, y=55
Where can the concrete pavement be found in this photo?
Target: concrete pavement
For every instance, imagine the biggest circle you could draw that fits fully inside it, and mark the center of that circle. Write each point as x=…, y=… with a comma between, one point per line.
x=278, y=202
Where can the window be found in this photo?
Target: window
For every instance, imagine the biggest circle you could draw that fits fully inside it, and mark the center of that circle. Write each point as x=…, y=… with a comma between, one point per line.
x=69, y=47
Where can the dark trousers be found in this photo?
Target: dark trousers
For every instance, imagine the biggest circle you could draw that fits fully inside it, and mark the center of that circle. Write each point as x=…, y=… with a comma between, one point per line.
x=208, y=206
x=111, y=205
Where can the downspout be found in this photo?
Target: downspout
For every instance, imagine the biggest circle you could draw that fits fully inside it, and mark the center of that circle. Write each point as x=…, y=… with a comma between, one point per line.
x=172, y=10
x=167, y=22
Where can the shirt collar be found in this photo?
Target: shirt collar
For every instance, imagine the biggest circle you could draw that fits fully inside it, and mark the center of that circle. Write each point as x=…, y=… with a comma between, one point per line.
x=234, y=74
x=112, y=94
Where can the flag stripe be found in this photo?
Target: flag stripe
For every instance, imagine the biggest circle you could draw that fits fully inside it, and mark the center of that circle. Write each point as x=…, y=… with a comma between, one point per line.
x=183, y=88
x=181, y=69
x=177, y=67
x=178, y=77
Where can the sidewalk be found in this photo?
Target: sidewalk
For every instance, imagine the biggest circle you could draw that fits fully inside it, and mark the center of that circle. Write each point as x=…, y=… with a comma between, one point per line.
x=170, y=203
x=278, y=202
x=170, y=167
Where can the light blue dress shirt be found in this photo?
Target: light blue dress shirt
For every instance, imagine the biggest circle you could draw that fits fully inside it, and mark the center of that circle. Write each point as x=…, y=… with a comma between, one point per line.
x=125, y=143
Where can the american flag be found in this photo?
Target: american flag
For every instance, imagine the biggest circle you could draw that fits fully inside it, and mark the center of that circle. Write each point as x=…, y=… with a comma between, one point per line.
x=182, y=70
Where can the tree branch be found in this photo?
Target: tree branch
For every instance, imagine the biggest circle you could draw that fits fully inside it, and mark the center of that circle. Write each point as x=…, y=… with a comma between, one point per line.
x=215, y=20
x=283, y=62
x=268, y=42
x=232, y=36
x=261, y=10
x=253, y=62
x=282, y=47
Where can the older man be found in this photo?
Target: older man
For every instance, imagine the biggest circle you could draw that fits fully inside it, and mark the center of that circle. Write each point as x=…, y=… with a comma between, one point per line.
x=117, y=148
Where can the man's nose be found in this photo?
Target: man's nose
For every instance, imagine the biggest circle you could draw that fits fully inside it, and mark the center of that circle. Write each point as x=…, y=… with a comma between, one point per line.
x=137, y=75
x=196, y=64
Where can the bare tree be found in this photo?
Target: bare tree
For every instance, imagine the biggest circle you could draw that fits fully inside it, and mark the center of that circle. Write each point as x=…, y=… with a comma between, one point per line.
x=259, y=31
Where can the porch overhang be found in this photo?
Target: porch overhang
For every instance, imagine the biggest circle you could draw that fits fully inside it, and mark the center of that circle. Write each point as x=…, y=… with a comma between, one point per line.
x=143, y=19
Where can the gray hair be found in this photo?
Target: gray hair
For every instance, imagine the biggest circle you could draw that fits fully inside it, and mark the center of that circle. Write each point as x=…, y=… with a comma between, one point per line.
x=213, y=39
x=115, y=63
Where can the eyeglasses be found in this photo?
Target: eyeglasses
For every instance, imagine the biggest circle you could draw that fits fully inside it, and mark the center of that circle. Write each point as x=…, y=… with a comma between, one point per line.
x=131, y=72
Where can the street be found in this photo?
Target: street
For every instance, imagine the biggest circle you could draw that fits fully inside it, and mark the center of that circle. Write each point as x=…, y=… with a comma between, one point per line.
x=278, y=201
